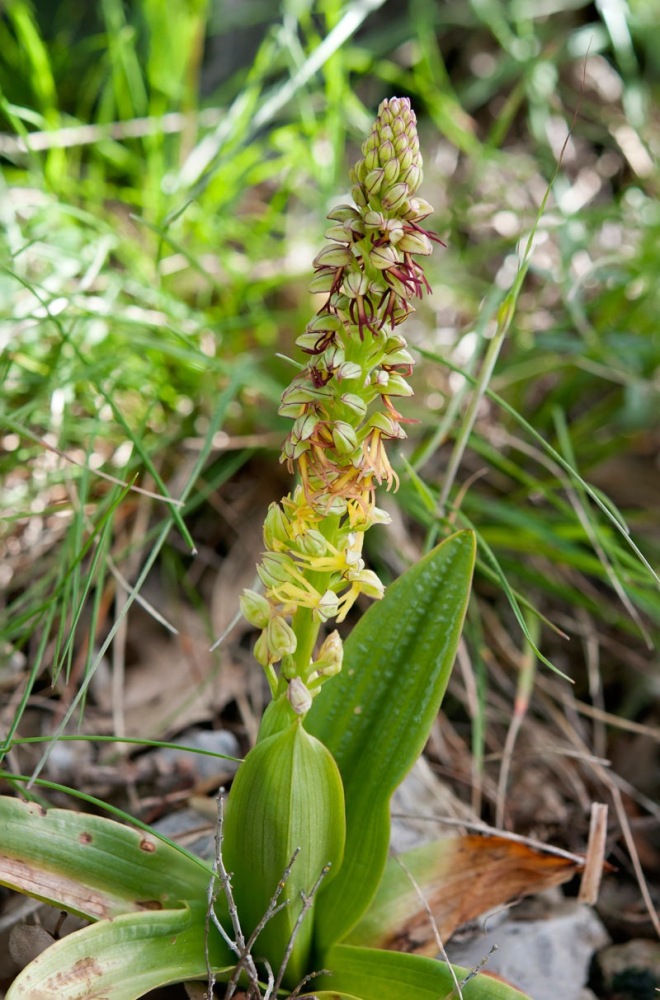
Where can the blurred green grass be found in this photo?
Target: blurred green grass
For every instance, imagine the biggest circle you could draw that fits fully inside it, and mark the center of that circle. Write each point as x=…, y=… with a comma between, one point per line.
x=166, y=172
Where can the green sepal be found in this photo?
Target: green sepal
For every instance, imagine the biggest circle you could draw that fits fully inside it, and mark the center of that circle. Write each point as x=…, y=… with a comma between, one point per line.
x=373, y=974
x=375, y=716
x=287, y=794
x=124, y=958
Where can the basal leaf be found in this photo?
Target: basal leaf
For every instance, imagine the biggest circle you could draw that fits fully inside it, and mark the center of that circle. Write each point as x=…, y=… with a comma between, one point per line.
x=375, y=716
x=373, y=974
x=90, y=865
x=287, y=796
x=123, y=958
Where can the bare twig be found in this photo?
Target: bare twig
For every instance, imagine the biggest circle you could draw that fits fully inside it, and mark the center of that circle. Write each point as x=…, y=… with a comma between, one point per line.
x=479, y=827
x=622, y=817
x=477, y=969
x=72, y=136
x=130, y=487
x=307, y=979
x=434, y=927
x=238, y=946
x=307, y=901
x=246, y=961
x=524, y=689
x=235, y=620
x=595, y=860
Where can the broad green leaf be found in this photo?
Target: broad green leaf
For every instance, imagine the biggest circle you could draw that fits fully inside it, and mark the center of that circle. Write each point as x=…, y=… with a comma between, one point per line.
x=375, y=716
x=457, y=878
x=90, y=865
x=124, y=958
x=373, y=974
x=287, y=795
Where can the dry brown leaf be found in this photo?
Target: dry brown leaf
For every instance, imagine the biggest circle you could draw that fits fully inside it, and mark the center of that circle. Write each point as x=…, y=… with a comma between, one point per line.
x=460, y=878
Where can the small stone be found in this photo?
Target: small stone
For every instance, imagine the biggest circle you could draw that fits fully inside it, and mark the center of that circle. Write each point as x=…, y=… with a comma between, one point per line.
x=629, y=971
x=205, y=768
x=548, y=959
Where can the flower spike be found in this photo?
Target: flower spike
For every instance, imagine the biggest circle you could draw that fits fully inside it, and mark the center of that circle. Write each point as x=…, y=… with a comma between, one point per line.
x=342, y=409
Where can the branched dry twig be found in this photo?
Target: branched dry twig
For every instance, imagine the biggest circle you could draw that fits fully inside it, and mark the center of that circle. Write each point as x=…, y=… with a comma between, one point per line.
x=242, y=948
x=246, y=961
x=307, y=900
x=307, y=979
x=238, y=945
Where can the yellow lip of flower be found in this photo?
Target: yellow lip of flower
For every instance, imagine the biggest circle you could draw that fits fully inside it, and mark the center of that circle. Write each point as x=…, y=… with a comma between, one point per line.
x=363, y=581
x=297, y=591
x=377, y=462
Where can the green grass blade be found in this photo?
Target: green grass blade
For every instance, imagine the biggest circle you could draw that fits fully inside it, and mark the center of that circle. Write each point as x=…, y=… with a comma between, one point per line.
x=604, y=505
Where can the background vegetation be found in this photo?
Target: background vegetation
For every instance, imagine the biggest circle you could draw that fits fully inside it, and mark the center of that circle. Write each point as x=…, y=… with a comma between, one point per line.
x=166, y=172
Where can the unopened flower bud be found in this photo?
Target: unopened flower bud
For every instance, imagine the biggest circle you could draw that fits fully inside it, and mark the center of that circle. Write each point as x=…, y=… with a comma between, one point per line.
x=280, y=637
x=412, y=178
x=322, y=282
x=394, y=197
x=374, y=181
x=337, y=234
x=419, y=209
x=356, y=283
x=354, y=402
x=348, y=370
x=330, y=656
x=399, y=356
x=274, y=569
x=391, y=169
x=298, y=696
x=374, y=220
x=386, y=425
x=255, y=608
x=359, y=196
x=371, y=160
x=397, y=386
x=276, y=529
x=386, y=152
x=261, y=651
x=333, y=257
x=344, y=437
x=304, y=426
x=343, y=213
x=383, y=257
x=313, y=542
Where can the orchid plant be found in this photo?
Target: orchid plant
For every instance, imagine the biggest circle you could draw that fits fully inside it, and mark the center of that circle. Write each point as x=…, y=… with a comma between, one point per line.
x=301, y=894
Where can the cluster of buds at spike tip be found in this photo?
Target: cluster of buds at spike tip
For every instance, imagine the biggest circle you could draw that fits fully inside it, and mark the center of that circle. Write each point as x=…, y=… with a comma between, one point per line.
x=344, y=409
x=344, y=402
